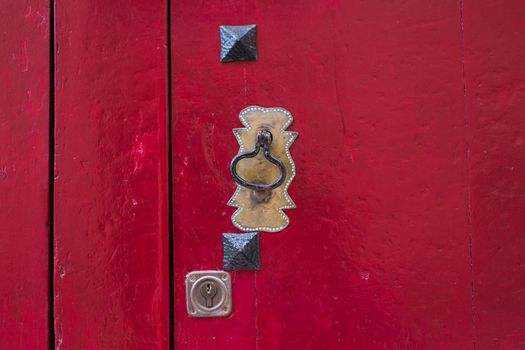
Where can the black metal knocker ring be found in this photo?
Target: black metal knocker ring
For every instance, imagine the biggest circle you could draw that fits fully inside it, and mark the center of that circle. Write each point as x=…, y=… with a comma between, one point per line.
x=264, y=139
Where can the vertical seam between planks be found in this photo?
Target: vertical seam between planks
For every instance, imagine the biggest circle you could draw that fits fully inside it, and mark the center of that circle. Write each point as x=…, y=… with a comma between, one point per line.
x=256, y=311
x=51, y=175
x=171, y=278
x=467, y=174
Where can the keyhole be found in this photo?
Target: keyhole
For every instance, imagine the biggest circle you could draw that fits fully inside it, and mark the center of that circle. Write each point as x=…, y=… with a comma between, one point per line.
x=208, y=291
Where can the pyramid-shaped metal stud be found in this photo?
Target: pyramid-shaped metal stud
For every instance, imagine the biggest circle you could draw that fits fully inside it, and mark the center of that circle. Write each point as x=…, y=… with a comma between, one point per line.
x=241, y=251
x=238, y=43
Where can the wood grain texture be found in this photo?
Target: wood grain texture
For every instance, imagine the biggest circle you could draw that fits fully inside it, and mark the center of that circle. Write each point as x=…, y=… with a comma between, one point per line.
x=376, y=255
x=24, y=174
x=495, y=80
x=111, y=252
x=410, y=192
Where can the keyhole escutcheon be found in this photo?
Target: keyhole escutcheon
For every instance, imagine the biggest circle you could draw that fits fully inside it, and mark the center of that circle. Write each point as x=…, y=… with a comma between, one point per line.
x=208, y=291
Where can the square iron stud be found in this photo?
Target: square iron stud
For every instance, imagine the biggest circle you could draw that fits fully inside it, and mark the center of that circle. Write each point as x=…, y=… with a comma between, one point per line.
x=241, y=251
x=238, y=43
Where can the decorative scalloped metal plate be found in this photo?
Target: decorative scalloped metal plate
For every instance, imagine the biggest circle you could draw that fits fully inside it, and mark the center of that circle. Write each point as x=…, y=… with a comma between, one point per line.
x=263, y=211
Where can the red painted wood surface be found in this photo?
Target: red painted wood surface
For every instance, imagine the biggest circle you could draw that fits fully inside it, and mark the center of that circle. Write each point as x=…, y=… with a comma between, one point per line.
x=377, y=253
x=24, y=180
x=378, y=248
x=409, y=188
x=111, y=252
x=207, y=97
x=495, y=75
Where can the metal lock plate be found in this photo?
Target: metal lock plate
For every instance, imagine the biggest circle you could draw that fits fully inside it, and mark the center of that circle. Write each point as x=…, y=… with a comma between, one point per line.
x=208, y=294
x=263, y=169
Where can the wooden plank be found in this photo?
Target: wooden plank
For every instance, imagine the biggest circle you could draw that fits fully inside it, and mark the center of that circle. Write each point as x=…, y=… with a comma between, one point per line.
x=24, y=174
x=377, y=252
x=207, y=97
x=376, y=255
x=111, y=267
x=495, y=75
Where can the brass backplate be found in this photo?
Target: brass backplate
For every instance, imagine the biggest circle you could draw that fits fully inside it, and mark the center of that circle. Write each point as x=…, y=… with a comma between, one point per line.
x=263, y=210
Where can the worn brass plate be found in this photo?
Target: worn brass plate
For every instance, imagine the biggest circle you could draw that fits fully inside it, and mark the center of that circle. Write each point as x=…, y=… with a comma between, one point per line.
x=263, y=210
x=198, y=304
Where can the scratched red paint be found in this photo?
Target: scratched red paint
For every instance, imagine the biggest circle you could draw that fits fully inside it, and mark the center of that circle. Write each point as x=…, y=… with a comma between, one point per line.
x=111, y=252
x=377, y=253
x=409, y=188
x=206, y=103
x=24, y=184
x=495, y=74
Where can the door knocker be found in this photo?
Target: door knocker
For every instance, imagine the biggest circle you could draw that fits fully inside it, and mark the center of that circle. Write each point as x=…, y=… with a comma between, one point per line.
x=264, y=140
x=263, y=170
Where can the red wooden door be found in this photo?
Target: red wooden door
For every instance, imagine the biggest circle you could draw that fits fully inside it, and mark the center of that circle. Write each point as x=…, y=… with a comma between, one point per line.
x=410, y=126
x=115, y=145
